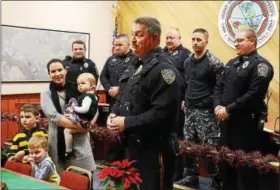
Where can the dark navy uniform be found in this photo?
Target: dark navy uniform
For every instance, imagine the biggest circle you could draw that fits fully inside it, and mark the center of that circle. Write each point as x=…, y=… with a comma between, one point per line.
x=150, y=101
x=178, y=58
x=110, y=75
x=200, y=121
x=112, y=70
x=242, y=90
x=75, y=67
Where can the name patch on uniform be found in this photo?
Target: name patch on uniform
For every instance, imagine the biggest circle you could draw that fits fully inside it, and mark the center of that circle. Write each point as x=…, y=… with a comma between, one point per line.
x=262, y=69
x=168, y=76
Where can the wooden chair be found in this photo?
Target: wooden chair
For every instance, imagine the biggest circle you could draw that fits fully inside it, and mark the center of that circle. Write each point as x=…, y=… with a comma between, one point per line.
x=76, y=178
x=19, y=167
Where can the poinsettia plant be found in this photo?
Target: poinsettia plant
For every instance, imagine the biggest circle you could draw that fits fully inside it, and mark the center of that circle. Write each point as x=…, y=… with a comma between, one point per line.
x=121, y=173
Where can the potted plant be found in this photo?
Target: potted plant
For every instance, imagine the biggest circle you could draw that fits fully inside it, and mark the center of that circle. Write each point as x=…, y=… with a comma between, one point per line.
x=119, y=175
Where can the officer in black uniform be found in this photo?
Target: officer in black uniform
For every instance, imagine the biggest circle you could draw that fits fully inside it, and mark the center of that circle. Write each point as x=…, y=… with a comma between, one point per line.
x=147, y=111
x=239, y=104
x=78, y=64
x=202, y=70
x=115, y=66
x=109, y=78
x=177, y=54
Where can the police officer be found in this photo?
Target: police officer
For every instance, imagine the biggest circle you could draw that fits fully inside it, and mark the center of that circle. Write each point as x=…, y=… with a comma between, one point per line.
x=109, y=78
x=202, y=70
x=147, y=111
x=177, y=54
x=115, y=66
x=78, y=64
x=175, y=51
x=239, y=104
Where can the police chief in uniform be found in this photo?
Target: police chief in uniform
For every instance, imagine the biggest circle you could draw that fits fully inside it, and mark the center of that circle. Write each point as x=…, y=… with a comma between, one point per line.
x=202, y=70
x=239, y=104
x=177, y=54
x=147, y=111
x=109, y=78
x=78, y=64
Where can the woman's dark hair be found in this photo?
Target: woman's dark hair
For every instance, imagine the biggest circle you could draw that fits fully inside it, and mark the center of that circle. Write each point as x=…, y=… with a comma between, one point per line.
x=55, y=61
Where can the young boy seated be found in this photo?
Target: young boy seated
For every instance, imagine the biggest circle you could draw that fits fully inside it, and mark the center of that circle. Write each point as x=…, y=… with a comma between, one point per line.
x=29, y=117
x=83, y=110
x=42, y=164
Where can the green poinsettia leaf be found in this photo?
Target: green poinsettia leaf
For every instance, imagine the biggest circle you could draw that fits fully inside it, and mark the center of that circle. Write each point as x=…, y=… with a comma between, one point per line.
x=119, y=184
x=104, y=182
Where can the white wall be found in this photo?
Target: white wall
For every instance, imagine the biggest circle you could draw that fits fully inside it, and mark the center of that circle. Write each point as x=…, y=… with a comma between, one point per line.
x=94, y=17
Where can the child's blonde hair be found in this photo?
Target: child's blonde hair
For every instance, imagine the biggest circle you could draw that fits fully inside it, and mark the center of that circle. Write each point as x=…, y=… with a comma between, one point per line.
x=37, y=141
x=87, y=76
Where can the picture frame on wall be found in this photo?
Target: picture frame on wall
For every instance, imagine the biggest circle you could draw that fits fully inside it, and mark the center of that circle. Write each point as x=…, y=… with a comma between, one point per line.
x=26, y=51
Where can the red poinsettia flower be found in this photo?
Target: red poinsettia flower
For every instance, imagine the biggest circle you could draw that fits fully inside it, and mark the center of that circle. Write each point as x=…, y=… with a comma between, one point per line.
x=116, y=163
x=126, y=163
x=126, y=183
x=121, y=170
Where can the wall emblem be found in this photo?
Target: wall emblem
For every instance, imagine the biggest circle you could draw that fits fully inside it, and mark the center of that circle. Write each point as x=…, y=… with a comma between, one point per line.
x=262, y=16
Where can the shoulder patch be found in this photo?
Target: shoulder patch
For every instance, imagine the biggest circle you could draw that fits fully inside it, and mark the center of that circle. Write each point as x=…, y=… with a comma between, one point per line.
x=168, y=76
x=262, y=69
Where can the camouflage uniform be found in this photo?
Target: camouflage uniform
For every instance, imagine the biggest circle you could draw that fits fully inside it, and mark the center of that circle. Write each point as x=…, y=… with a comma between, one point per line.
x=200, y=121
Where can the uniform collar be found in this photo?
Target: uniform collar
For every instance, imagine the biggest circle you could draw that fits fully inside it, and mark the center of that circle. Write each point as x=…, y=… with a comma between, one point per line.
x=179, y=47
x=150, y=55
x=246, y=57
x=198, y=60
x=129, y=53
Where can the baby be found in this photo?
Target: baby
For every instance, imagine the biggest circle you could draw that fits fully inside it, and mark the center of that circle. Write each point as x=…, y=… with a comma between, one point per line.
x=83, y=110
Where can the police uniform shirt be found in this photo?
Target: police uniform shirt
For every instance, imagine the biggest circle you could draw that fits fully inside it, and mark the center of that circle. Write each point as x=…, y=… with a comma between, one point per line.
x=75, y=67
x=178, y=58
x=150, y=96
x=113, y=69
x=244, y=84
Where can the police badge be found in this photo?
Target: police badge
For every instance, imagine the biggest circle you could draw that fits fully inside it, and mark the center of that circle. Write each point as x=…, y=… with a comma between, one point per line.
x=126, y=59
x=175, y=52
x=85, y=65
x=168, y=76
x=245, y=64
x=138, y=70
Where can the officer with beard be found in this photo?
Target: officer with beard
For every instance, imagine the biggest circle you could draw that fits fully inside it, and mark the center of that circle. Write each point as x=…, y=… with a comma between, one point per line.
x=115, y=66
x=109, y=78
x=78, y=64
x=202, y=70
x=177, y=54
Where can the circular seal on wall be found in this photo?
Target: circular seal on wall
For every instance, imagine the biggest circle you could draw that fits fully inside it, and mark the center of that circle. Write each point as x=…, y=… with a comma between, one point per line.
x=262, y=16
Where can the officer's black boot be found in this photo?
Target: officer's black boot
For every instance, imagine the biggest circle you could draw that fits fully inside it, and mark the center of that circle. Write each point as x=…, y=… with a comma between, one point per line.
x=190, y=175
x=214, y=172
x=179, y=168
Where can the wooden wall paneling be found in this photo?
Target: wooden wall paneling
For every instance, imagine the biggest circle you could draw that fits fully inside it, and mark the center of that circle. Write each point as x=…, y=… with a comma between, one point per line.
x=188, y=15
x=12, y=126
x=4, y=124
